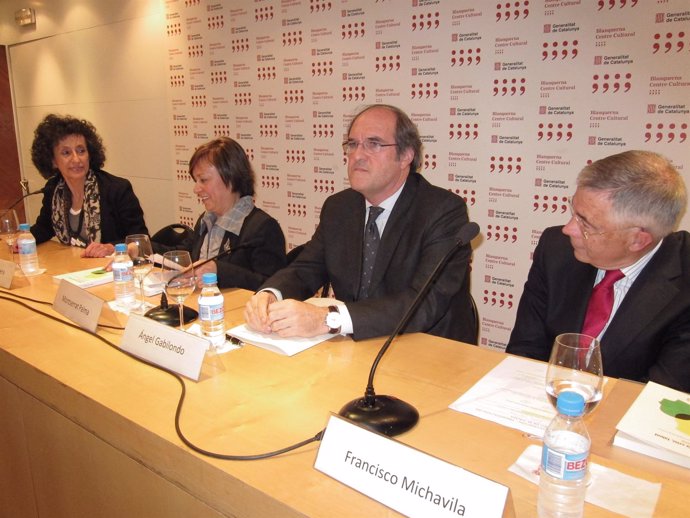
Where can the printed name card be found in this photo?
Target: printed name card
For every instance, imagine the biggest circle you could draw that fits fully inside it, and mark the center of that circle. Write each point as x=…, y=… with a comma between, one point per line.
x=6, y=273
x=407, y=480
x=80, y=306
x=165, y=346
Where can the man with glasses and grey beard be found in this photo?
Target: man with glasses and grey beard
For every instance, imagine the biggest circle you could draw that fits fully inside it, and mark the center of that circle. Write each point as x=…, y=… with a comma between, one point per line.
x=376, y=243
x=620, y=239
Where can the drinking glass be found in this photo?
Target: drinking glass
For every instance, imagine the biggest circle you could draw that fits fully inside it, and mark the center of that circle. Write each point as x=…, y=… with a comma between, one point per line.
x=177, y=273
x=139, y=249
x=575, y=365
x=9, y=227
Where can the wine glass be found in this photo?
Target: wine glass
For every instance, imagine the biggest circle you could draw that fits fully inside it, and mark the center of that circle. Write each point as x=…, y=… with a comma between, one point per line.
x=9, y=226
x=139, y=249
x=575, y=365
x=177, y=272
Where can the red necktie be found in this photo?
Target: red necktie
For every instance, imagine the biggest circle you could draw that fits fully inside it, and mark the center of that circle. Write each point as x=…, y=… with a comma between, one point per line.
x=600, y=304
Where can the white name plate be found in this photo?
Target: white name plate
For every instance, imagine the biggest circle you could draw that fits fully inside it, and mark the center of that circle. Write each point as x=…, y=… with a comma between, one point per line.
x=80, y=306
x=6, y=273
x=164, y=345
x=407, y=480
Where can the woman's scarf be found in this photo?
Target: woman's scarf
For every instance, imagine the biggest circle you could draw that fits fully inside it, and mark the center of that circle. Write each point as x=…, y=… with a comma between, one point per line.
x=90, y=217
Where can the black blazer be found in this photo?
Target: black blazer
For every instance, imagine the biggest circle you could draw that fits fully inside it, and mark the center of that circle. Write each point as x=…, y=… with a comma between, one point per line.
x=649, y=336
x=121, y=213
x=422, y=227
x=246, y=267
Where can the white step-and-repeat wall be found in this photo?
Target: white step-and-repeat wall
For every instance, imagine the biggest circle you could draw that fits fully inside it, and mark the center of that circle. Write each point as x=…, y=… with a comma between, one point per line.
x=511, y=98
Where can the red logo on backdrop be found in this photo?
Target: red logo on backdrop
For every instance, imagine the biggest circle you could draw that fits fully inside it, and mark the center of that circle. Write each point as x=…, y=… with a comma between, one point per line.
x=598, y=60
x=387, y=63
x=355, y=93
x=319, y=6
x=220, y=130
x=552, y=204
x=263, y=14
x=426, y=21
x=265, y=73
x=501, y=234
x=240, y=45
x=426, y=90
x=270, y=182
x=297, y=209
x=180, y=130
x=177, y=80
x=465, y=57
x=469, y=131
x=243, y=99
x=215, y=22
x=352, y=30
x=295, y=156
x=667, y=42
x=219, y=77
x=290, y=39
x=470, y=196
x=250, y=153
x=293, y=96
x=174, y=29
x=591, y=141
x=323, y=130
x=611, y=4
x=512, y=11
x=322, y=68
x=324, y=186
x=562, y=50
x=542, y=110
x=604, y=83
x=505, y=164
x=651, y=108
x=514, y=86
x=498, y=299
x=669, y=133
x=429, y=161
x=198, y=101
x=268, y=130
x=195, y=51
x=659, y=18
x=557, y=132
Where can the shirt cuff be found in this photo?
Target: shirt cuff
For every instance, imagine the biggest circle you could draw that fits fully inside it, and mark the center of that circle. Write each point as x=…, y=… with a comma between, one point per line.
x=346, y=327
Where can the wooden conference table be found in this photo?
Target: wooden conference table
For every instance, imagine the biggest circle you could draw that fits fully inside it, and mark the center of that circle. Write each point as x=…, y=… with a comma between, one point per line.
x=89, y=431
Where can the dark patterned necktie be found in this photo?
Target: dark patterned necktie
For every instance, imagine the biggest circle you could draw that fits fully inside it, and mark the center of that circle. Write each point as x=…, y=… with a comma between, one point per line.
x=600, y=304
x=371, y=244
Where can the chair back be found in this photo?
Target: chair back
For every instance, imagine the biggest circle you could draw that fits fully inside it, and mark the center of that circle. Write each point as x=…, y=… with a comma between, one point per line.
x=172, y=235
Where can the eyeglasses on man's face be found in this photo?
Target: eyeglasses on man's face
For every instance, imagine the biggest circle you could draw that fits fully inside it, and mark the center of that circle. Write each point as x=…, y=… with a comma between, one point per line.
x=588, y=231
x=369, y=145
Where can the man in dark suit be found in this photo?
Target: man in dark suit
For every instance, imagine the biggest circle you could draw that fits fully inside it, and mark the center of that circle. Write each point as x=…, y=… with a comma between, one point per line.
x=624, y=211
x=418, y=225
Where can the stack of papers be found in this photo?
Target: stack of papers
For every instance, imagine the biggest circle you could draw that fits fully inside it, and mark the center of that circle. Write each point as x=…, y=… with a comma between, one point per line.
x=286, y=346
x=86, y=278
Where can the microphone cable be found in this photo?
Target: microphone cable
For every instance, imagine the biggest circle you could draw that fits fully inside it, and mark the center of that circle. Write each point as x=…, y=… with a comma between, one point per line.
x=183, y=390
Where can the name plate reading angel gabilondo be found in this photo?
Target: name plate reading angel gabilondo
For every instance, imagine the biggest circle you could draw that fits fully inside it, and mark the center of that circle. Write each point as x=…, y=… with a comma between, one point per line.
x=405, y=479
x=165, y=346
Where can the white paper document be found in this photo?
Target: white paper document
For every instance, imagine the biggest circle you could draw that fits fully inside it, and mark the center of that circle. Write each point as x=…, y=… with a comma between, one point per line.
x=511, y=394
x=286, y=346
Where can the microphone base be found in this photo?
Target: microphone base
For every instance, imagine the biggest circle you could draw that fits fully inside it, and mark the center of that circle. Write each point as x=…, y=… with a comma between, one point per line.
x=170, y=316
x=388, y=415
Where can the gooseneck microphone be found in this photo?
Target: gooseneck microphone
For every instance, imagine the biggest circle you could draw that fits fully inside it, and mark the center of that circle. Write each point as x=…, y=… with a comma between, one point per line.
x=21, y=198
x=387, y=414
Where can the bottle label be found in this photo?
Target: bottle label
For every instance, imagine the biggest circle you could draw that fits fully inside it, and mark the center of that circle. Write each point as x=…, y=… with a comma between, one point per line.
x=211, y=308
x=26, y=247
x=122, y=273
x=566, y=466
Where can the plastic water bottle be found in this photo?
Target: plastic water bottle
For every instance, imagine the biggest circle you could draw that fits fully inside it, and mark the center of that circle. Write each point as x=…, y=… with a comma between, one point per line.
x=211, y=310
x=26, y=244
x=123, y=277
x=564, y=459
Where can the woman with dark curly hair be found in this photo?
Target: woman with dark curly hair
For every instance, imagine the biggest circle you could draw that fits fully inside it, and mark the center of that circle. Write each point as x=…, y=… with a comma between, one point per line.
x=224, y=183
x=82, y=204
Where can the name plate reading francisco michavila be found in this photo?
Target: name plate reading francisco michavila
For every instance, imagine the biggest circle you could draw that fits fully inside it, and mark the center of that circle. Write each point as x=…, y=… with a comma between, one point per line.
x=80, y=306
x=405, y=479
x=165, y=346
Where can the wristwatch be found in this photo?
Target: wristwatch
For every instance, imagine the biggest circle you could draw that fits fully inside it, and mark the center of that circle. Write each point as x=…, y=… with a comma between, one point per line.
x=334, y=320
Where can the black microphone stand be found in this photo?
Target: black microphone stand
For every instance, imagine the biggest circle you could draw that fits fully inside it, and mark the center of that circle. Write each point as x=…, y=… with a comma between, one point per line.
x=387, y=414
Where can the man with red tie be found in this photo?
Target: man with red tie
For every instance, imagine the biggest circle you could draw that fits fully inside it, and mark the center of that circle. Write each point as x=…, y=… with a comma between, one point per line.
x=618, y=271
